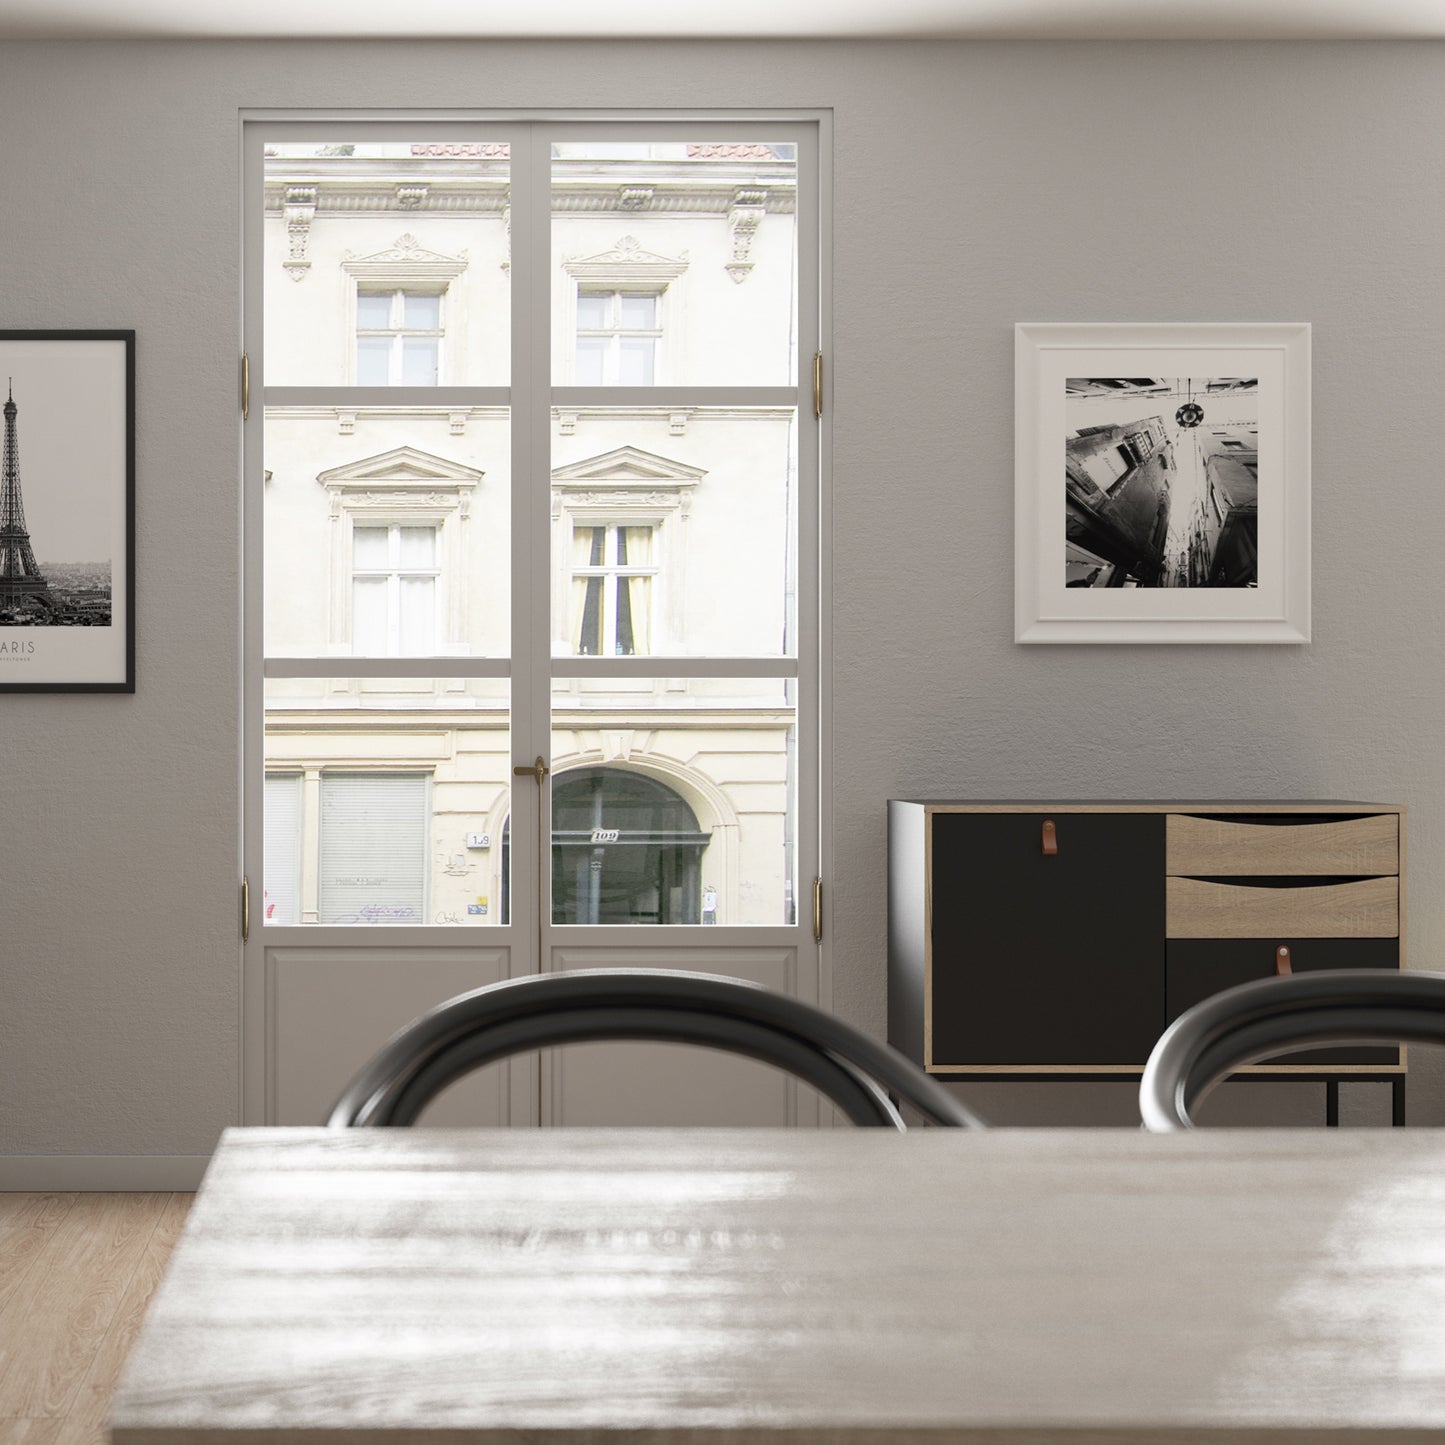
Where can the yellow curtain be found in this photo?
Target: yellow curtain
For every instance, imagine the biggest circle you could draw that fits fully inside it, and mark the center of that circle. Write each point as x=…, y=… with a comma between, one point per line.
x=638, y=542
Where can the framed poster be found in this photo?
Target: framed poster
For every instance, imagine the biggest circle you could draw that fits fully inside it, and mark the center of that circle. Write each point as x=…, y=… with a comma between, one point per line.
x=67, y=511
x=1162, y=483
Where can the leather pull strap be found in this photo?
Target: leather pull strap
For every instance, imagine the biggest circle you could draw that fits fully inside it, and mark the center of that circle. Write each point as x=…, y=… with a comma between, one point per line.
x=1051, y=838
x=1281, y=961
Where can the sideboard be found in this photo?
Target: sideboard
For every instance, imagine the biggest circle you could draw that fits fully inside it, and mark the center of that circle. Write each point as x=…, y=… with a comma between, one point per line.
x=1048, y=940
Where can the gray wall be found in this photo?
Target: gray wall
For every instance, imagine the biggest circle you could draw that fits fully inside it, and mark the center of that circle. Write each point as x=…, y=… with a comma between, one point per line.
x=976, y=185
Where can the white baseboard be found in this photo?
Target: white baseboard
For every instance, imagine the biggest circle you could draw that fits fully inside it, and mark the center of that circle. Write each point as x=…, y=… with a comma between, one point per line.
x=41, y=1173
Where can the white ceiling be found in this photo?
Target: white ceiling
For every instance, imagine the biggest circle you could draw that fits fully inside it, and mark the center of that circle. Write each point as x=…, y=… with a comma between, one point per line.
x=997, y=19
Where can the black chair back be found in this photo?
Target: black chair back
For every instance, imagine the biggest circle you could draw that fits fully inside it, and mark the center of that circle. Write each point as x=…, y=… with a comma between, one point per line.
x=541, y=1010
x=1276, y=1015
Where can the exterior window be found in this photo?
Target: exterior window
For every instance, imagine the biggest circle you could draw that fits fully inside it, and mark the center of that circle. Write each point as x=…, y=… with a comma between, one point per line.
x=398, y=338
x=617, y=336
x=373, y=838
x=394, y=577
x=612, y=574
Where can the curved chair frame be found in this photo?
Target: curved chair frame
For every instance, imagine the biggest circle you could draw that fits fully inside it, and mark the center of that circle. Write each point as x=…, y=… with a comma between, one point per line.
x=660, y=1005
x=1275, y=1015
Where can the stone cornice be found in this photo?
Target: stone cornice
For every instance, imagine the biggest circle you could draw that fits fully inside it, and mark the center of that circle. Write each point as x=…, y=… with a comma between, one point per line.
x=491, y=195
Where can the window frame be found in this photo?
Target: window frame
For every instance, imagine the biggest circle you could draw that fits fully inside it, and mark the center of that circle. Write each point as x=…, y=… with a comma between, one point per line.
x=392, y=575
x=611, y=574
x=614, y=333
x=397, y=332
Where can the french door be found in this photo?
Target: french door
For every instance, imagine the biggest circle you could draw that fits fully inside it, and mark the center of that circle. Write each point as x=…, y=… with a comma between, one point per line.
x=532, y=521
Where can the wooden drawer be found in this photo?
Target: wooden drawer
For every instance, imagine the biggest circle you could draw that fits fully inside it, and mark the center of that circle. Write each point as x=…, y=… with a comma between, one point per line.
x=1360, y=908
x=1199, y=967
x=1354, y=847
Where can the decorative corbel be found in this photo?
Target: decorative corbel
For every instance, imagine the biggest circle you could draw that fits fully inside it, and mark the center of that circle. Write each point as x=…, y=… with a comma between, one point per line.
x=745, y=215
x=300, y=211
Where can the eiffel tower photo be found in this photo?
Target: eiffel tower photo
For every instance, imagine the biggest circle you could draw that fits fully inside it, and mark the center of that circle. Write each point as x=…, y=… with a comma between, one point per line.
x=22, y=584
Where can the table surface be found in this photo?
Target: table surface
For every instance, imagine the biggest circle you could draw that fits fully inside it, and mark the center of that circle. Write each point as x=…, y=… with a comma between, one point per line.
x=676, y=1287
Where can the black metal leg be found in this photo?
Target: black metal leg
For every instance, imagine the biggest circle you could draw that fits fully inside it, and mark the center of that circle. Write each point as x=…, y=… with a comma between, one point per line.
x=1397, y=1103
x=1332, y=1104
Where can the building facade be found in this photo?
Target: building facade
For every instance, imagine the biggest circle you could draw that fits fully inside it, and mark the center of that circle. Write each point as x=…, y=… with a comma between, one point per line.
x=1118, y=499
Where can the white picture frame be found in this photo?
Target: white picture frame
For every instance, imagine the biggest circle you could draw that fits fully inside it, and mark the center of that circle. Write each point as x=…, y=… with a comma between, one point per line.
x=1221, y=558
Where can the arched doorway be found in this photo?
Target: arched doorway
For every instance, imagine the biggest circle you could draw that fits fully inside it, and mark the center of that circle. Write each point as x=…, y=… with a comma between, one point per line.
x=625, y=849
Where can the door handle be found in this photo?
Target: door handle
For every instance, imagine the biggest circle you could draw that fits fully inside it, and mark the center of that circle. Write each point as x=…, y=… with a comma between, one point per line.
x=1051, y=838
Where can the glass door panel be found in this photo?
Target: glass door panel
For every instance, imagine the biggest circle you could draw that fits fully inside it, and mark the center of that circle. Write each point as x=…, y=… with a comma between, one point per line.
x=386, y=531
x=674, y=801
x=674, y=532
x=675, y=263
x=387, y=263
x=387, y=801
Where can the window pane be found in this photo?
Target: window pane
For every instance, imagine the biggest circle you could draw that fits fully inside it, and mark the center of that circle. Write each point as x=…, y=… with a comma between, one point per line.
x=587, y=604
x=281, y=842
x=419, y=360
x=634, y=545
x=369, y=547
x=418, y=616
x=373, y=309
x=382, y=491
x=707, y=515
x=635, y=366
x=349, y=224
x=634, y=612
x=710, y=224
x=592, y=311
x=638, y=312
x=421, y=312
x=591, y=360
x=368, y=617
x=689, y=823
x=373, y=360
x=401, y=788
x=418, y=546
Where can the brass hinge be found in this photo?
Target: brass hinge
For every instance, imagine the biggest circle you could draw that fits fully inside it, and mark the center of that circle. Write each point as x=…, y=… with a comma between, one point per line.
x=817, y=910
x=818, y=384
x=245, y=909
x=245, y=386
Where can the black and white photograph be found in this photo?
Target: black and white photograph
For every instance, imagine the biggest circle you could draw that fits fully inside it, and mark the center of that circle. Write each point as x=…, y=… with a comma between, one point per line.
x=67, y=511
x=1162, y=482
x=1161, y=479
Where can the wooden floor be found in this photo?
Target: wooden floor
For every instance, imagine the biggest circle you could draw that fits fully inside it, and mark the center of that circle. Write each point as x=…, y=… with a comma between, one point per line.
x=76, y=1274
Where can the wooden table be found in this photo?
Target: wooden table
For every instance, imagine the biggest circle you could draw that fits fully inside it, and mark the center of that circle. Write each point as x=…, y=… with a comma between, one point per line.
x=852, y=1287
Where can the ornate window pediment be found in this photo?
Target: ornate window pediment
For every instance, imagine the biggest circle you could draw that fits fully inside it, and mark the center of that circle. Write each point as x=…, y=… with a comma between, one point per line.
x=627, y=478
x=628, y=464
x=406, y=260
x=402, y=469
x=626, y=263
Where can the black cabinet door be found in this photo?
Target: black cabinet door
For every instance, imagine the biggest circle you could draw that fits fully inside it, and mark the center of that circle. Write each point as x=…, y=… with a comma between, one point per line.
x=1199, y=967
x=1041, y=959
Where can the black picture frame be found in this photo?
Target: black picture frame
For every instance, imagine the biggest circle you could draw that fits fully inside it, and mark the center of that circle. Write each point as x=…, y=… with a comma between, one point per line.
x=67, y=511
